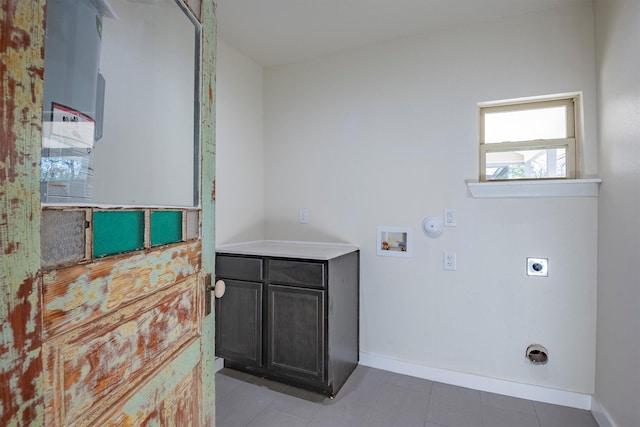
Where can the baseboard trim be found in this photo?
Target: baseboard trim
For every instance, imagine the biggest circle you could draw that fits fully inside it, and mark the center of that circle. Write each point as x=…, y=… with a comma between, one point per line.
x=601, y=415
x=219, y=363
x=477, y=382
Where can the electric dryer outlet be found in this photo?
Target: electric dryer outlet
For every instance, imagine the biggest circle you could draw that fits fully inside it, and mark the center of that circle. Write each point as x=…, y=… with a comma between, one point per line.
x=538, y=267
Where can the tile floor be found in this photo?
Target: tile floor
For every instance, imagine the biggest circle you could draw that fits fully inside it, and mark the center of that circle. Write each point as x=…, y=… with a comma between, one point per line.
x=372, y=397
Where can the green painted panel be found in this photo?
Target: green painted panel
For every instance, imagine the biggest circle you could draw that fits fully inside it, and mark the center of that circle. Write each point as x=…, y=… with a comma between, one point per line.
x=166, y=227
x=207, y=199
x=115, y=232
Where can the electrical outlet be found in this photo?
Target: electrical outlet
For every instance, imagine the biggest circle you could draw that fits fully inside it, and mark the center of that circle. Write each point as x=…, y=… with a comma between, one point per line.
x=450, y=219
x=303, y=215
x=538, y=267
x=449, y=261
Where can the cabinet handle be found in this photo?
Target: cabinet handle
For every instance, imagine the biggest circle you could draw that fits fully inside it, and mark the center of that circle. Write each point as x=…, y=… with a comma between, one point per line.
x=219, y=288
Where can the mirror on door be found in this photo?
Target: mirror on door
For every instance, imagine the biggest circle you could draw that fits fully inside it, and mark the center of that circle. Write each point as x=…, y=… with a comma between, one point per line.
x=120, y=123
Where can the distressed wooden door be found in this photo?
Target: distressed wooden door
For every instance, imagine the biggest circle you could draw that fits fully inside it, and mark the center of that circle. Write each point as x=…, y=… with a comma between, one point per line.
x=122, y=339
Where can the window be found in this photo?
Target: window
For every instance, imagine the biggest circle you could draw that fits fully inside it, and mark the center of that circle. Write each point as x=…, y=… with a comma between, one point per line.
x=533, y=139
x=121, y=97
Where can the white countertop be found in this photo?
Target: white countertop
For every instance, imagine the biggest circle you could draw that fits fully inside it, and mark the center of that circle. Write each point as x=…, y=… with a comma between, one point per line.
x=288, y=249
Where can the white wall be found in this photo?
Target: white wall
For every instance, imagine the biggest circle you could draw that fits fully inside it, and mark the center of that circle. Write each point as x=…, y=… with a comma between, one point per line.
x=387, y=135
x=239, y=147
x=618, y=353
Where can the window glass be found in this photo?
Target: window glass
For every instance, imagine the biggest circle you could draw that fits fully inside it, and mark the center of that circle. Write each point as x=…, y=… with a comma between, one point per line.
x=120, y=123
x=527, y=164
x=523, y=125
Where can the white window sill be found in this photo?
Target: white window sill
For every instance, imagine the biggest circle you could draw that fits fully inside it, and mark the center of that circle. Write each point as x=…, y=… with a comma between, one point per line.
x=545, y=188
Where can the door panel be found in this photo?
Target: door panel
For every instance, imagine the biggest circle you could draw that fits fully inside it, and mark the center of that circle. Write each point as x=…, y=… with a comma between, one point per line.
x=172, y=397
x=78, y=294
x=89, y=368
x=121, y=340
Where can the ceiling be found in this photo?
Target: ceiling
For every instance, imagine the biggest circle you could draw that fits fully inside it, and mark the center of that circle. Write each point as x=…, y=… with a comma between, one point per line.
x=274, y=32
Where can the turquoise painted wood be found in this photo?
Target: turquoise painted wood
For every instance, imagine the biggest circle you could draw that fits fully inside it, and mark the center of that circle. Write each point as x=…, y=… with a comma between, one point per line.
x=208, y=198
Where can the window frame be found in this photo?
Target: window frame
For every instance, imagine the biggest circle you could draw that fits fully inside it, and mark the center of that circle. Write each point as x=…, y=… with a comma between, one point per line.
x=571, y=142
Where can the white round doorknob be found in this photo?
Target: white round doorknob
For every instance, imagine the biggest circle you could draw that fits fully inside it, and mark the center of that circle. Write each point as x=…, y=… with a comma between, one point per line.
x=219, y=288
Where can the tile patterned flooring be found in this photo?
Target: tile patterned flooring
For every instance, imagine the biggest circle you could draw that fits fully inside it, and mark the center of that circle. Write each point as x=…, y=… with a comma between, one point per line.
x=372, y=398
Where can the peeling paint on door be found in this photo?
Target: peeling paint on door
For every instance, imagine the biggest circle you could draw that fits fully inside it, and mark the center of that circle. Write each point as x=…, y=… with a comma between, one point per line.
x=79, y=294
x=208, y=119
x=92, y=367
x=21, y=71
x=115, y=341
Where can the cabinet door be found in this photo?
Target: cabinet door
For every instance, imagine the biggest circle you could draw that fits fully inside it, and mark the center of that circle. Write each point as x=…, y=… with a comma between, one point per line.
x=296, y=332
x=239, y=322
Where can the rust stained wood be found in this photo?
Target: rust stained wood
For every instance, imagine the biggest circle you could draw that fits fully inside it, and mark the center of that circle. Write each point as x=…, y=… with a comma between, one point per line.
x=179, y=408
x=207, y=196
x=79, y=294
x=21, y=72
x=172, y=398
x=92, y=367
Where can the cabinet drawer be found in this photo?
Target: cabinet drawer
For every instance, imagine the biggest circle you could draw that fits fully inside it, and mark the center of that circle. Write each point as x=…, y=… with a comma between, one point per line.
x=237, y=267
x=301, y=273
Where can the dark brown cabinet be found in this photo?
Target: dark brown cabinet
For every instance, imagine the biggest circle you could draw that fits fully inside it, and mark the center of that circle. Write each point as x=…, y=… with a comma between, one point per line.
x=239, y=314
x=239, y=322
x=294, y=320
x=296, y=332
